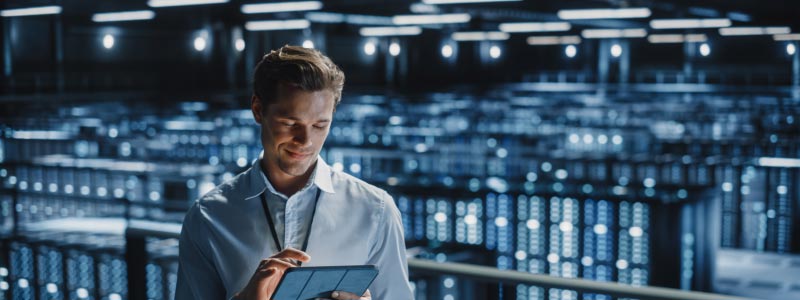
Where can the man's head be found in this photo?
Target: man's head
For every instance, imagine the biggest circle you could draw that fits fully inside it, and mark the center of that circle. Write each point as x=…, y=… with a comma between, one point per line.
x=296, y=91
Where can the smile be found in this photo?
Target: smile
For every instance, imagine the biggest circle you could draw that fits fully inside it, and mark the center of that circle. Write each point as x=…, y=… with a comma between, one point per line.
x=295, y=155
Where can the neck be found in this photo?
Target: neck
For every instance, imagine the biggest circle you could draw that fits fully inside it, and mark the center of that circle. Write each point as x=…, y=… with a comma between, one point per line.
x=286, y=184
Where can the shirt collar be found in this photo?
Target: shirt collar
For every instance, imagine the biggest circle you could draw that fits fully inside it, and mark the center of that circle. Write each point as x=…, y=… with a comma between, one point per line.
x=321, y=178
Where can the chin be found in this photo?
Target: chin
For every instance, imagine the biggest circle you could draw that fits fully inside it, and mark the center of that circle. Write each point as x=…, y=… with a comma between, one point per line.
x=296, y=168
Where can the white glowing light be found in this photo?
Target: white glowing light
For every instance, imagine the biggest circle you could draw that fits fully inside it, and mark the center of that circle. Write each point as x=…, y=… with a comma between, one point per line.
x=108, y=41
x=495, y=52
x=616, y=50
x=199, y=43
x=635, y=231
x=369, y=48
x=501, y=222
x=447, y=51
x=239, y=45
x=533, y=224
x=571, y=51
x=394, y=49
x=705, y=49
x=600, y=229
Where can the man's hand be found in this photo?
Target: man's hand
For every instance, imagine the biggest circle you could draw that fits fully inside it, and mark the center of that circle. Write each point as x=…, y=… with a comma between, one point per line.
x=339, y=295
x=269, y=272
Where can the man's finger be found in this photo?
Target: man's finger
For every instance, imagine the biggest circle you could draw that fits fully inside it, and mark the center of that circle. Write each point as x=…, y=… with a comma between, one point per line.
x=342, y=295
x=278, y=264
x=292, y=253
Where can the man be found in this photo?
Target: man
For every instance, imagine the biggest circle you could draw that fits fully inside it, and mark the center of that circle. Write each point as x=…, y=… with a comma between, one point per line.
x=238, y=239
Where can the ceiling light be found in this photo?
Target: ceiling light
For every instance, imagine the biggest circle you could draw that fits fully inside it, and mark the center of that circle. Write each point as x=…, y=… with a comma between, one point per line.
x=613, y=33
x=619, y=13
x=741, y=31
x=479, y=36
x=689, y=23
x=787, y=37
x=261, y=8
x=390, y=31
x=277, y=25
x=535, y=27
x=394, y=49
x=464, y=1
x=123, y=16
x=430, y=19
x=31, y=11
x=676, y=38
x=170, y=3
x=553, y=40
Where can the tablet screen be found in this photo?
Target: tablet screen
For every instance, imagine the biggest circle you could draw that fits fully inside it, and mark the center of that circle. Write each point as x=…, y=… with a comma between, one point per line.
x=313, y=282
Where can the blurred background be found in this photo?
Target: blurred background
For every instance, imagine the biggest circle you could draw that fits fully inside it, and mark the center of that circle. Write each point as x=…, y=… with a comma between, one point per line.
x=645, y=143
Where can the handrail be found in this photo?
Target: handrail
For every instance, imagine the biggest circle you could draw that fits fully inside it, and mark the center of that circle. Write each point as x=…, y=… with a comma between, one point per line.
x=141, y=229
x=494, y=275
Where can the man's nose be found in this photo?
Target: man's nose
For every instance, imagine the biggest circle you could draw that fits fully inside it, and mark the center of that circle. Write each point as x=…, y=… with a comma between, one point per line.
x=302, y=136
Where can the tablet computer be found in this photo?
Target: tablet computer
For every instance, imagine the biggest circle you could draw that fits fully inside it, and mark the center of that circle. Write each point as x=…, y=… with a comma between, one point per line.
x=313, y=282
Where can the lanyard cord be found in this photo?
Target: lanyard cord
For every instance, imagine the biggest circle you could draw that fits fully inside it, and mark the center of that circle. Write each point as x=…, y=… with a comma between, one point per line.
x=268, y=215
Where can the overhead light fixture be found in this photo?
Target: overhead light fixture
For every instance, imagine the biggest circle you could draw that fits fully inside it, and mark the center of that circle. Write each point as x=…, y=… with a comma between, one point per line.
x=787, y=37
x=394, y=49
x=689, y=23
x=123, y=16
x=430, y=19
x=199, y=43
x=610, y=13
x=464, y=1
x=613, y=33
x=705, y=49
x=169, y=3
x=676, y=38
x=495, y=52
x=535, y=27
x=570, y=51
x=779, y=162
x=369, y=48
x=553, y=40
x=31, y=11
x=329, y=17
x=277, y=25
x=390, y=31
x=742, y=31
x=239, y=45
x=108, y=41
x=447, y=51
x=465, y=36
x=616, y=50
x=262, y=8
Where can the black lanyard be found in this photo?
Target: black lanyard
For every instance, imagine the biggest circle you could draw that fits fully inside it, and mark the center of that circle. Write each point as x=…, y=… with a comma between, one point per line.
x=268, y=215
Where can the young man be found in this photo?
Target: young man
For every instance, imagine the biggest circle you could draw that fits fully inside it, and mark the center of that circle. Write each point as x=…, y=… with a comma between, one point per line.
x=290, y=207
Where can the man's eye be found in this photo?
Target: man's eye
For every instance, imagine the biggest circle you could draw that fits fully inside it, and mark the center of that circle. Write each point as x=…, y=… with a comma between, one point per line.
x=319, y=126
x=287, y=124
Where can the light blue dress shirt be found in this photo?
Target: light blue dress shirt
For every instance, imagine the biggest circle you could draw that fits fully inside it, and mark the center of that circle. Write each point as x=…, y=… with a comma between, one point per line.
x=225, y=233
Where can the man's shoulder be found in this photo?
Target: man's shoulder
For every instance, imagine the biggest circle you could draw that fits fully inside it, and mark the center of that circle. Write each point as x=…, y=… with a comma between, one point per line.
x=358, y=187
x=227, y=192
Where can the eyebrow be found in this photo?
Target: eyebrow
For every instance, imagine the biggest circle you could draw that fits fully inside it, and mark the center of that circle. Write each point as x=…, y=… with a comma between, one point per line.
x=296, y=119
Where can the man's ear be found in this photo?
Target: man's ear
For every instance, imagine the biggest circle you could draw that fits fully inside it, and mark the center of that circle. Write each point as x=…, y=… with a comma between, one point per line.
x=256, y=107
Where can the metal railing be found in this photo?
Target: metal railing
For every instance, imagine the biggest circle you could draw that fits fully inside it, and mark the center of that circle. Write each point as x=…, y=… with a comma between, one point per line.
x=137, y=231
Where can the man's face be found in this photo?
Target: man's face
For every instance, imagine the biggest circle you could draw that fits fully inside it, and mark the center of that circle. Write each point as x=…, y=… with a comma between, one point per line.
x=293, y=130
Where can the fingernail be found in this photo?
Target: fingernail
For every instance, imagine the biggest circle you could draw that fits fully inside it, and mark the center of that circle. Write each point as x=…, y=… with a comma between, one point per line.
x=335, y=295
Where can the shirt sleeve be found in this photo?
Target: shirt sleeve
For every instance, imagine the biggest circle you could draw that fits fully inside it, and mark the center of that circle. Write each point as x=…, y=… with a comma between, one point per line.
x=388, y=254
x=198, y=278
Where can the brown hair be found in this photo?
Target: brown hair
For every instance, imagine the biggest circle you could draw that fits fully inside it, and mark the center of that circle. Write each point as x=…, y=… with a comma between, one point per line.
x=306, y=69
